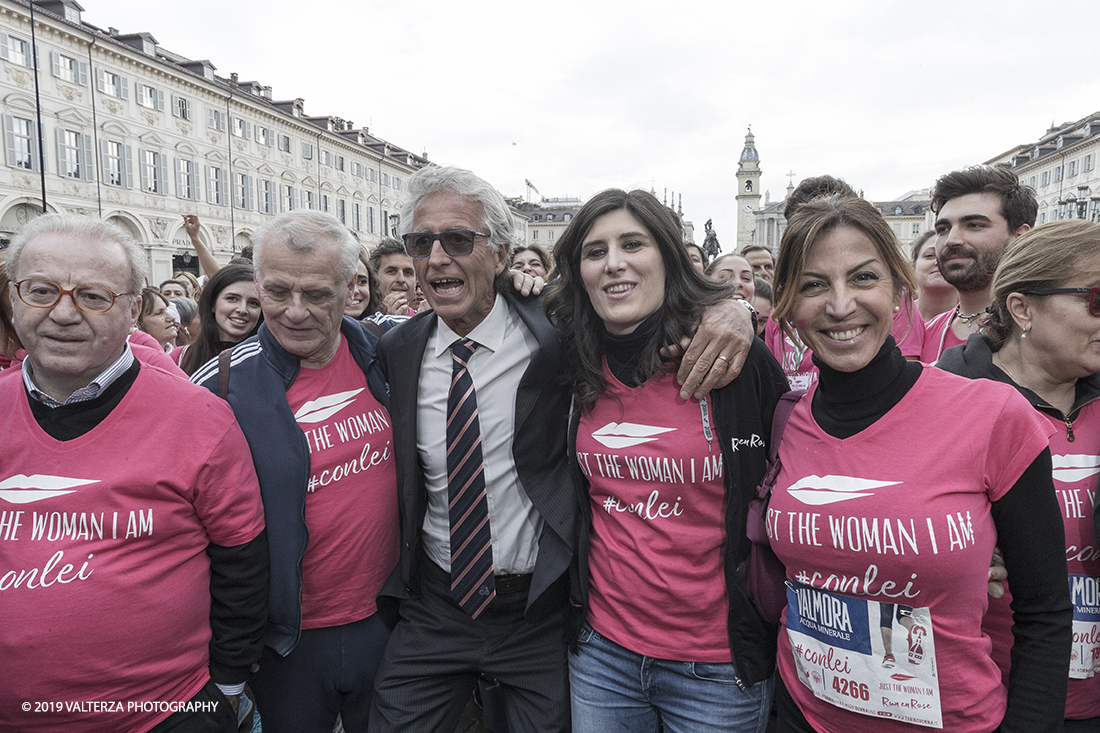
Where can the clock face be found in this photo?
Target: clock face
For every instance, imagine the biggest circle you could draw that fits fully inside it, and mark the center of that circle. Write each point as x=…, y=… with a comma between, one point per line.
x=748, y=207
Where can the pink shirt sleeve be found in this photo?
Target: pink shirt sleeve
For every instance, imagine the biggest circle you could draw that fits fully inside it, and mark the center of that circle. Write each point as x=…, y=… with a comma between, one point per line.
x=226, y=494
x=1019, y=435
x=148, y=351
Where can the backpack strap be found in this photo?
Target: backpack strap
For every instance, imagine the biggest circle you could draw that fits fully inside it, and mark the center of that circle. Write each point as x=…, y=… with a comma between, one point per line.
x=372, y=327
x=223, y=373
x=783, y=411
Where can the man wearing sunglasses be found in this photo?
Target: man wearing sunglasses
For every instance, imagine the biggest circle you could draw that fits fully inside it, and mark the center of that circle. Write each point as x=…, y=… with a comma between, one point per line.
x=133, y=564
x=488, y=509
x=979, y=210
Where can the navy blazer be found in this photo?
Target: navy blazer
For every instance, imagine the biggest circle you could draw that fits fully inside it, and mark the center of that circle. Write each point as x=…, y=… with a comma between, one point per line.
x=538, y=449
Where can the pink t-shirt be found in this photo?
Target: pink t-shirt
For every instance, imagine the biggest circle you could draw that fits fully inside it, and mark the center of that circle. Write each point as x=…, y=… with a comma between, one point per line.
x=887, y=537
x=148, y=351
x=351, y=504
x=104, y=576
x=939, y=337
x=658, y=522
x=796, y=358
x=1076, y=466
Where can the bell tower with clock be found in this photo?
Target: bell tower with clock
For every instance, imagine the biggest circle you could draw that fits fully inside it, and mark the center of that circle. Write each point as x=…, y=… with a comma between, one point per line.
x=748, y=191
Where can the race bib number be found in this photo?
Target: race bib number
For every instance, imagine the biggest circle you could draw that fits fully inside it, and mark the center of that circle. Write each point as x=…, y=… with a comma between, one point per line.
x=801, y=381
x=1084, y=660
x=877, y=659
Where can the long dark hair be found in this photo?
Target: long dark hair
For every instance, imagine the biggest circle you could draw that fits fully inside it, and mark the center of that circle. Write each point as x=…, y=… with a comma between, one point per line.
x=205, y=347
x=374, y=304
x=687, y=293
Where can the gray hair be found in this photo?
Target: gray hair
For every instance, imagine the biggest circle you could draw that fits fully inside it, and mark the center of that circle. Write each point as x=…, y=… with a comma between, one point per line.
x=187, y=309
x=303, y=232
x=497, y=220
x=80, y=227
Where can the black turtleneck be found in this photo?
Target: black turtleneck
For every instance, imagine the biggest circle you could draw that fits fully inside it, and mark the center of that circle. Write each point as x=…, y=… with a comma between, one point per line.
x=847, y=402
x=624, y=352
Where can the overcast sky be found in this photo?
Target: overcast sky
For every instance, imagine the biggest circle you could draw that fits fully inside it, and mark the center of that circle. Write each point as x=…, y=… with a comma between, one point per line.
x=578, y=96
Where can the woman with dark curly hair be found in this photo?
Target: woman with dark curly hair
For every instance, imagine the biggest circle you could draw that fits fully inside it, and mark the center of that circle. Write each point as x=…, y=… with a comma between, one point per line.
x=670, y=640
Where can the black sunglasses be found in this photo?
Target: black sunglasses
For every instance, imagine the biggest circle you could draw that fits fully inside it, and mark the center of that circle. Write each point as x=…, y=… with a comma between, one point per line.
x=456, y=242
x=1093, y=293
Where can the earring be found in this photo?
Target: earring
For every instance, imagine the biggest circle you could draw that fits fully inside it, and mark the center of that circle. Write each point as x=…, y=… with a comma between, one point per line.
x=1024, y=334
x=897, y=308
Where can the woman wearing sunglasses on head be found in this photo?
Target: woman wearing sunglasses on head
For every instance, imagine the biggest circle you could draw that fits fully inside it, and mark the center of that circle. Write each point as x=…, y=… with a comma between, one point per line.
x=1043, y=338
x=898, y=480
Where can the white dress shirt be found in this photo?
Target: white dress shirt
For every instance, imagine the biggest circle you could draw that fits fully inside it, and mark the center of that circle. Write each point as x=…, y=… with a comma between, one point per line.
x=505, y=347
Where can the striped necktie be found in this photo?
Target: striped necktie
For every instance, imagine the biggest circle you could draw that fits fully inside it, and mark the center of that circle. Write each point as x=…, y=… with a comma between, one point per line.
x=472, y=583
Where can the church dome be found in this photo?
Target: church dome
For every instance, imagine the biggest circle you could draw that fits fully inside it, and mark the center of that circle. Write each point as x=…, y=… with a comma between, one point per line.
x=749, y=154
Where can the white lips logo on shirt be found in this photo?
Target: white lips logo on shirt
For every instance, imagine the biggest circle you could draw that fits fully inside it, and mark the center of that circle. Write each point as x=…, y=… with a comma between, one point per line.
x=323, y=408
x=818, y=490
x=626, y=434
x=1075, y=466
x=23, y=489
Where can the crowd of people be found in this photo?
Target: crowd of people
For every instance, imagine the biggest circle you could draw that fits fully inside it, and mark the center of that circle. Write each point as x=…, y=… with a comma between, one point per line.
x=324, y=485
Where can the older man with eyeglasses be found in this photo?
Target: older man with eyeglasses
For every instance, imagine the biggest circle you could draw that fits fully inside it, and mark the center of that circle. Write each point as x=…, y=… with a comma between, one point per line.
x=133, y=565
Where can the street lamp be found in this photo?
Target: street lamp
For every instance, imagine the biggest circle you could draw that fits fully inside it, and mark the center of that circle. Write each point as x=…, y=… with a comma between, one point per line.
x=1075, y=206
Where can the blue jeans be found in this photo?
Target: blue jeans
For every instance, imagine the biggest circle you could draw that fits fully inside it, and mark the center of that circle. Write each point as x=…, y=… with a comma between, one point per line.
x=614, y=689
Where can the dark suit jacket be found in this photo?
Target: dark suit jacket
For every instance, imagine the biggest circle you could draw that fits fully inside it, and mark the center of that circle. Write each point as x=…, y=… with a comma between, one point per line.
x=538, y=449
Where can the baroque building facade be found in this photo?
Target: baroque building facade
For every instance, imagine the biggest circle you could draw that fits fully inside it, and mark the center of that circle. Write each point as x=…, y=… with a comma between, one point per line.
x=909, y=216
x=1061, y=166
x=139, y=135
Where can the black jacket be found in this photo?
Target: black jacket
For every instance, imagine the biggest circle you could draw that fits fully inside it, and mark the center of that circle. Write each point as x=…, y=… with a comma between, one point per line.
x=538, y=449
x=974, y=359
